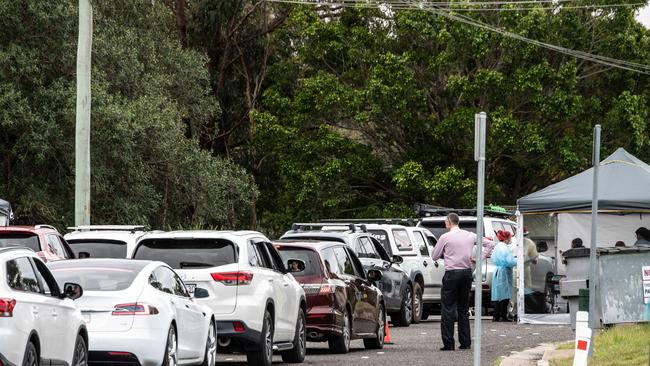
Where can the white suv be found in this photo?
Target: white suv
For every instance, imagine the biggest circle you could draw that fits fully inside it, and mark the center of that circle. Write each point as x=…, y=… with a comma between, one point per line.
x=258, y=305
x=38, y=322
x=104, y=241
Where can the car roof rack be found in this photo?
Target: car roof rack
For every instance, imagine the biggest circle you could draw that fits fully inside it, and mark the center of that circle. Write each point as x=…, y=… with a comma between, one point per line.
x=387, y=221
x=319, y=226
x=131, y=228
x=425, y=210
x=43, y=226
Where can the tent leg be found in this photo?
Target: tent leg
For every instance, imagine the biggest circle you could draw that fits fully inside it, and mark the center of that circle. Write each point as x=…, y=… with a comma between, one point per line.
x=520, y=267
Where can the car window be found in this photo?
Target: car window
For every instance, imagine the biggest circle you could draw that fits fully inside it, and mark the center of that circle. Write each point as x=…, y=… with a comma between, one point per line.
x=496, y=226
x=402, y=240
x=94, y=277
x=99, y=248
x=432, y=240
x=310, y=257
x=21, y=275
x=28, y=240
x=165, y=280
x=345, y=264
x=192, y=253
x=380, y=249
x=263, y=255
x=179, y=289
x=356, y=263
x=421, y=243
x=253, y=258
x=361, y=250
x=330, y=261
x=382, y=237
x=509, y=227
x=370, y=249
x=55, y=245
x=275, y=258
x=45, y=279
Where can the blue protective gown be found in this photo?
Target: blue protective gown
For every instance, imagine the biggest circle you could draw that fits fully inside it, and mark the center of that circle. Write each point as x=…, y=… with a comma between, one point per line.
x=502, y=278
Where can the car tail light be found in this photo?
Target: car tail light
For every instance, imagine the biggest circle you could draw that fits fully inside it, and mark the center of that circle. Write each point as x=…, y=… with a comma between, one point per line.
x=7, y=308
x=238, y=327
x=326, y=289
x=233, y=278
x=136, y=308
x=119, y=353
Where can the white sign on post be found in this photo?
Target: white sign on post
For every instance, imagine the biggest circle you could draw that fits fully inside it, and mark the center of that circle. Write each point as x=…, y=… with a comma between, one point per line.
x=645, y=271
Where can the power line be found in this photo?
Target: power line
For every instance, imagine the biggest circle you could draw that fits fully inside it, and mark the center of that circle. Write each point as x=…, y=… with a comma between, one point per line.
x=449, y=14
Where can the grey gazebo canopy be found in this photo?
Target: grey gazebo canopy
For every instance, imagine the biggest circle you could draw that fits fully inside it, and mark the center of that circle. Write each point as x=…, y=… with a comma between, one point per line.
x=624, y=185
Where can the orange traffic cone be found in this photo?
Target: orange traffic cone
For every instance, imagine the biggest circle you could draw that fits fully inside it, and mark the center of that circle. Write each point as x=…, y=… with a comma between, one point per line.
x=387, y=339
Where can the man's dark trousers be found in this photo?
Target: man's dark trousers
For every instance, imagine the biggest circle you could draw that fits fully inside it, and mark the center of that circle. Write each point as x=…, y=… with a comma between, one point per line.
x=456, y=285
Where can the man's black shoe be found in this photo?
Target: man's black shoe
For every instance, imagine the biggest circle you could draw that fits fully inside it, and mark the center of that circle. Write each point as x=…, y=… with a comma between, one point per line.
x=465, y=347
x=446, y=349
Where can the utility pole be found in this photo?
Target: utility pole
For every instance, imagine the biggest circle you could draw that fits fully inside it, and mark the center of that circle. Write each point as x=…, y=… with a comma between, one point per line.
x=594, y=318
x=82, y=138
x=480, y=130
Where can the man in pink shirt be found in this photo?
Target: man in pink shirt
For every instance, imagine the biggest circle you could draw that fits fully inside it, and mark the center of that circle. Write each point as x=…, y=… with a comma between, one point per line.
x=457, y=248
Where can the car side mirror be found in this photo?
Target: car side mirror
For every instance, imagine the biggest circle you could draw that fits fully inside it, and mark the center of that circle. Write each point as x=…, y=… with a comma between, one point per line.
x=374, y=275
x=542, y=247
x=398, y=259
x=72, y=291
x=295, y=265
x=201, y=293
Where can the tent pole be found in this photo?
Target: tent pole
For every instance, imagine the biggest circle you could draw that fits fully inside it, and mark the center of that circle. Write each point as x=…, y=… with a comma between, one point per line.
x=593, y=279
x=520, y=267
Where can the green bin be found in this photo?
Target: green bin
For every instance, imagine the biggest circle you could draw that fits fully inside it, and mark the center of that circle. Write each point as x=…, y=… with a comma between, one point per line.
x=583, y=299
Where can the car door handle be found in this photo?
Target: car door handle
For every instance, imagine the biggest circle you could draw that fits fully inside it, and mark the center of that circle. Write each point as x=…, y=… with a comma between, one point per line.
x=285, y=284
x=34, y=311
x=271, y=280
x=426, y=264
x=55, y=314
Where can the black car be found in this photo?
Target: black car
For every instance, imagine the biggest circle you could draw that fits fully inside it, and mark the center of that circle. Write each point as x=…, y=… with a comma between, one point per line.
x=395, y=284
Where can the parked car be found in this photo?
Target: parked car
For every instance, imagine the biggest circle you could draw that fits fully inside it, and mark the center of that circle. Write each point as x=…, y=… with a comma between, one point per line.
x=104, y=241
x=542, y=272
x=399, y=236
x=39, y=323
x=342, y=302
x=258, y=305
x=45, y=240
x=395, y=285
x=140, y=313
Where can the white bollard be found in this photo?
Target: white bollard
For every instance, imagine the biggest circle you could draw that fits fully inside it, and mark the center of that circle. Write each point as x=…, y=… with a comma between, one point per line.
x=582, y=321
x=583, y=344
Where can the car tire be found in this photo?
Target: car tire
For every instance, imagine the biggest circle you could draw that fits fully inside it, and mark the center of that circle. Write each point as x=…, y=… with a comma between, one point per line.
x=404, y=317
x=378, y=341
x=210, y=357
x=341, y=344
x=31, y=357
x=418, y=307
x=264, y=355
x=171, y=348
x=80, y=357
x=299, y=350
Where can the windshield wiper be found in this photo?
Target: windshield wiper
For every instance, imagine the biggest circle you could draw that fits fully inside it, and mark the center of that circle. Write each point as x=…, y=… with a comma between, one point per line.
x=195, y=264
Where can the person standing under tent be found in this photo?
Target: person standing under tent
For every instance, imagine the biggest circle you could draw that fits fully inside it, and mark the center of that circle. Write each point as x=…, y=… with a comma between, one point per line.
x=530, y=259
x=457, y=247
x=502, y=285
x=642, y=236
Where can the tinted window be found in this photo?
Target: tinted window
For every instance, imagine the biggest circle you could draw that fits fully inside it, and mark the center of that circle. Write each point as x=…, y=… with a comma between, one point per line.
x=382, y=237
x=20, y=240
x=55, y=246
x=356, y=263
x=345, y=264
x=45, y=279
x=380, y=250
x=179, y=289
x=253, y=258
x=99, y=248
x=432, y=240
x=95, y=278
x=402, y=240
x=421, y=243
x=369, y=248
x=164, y=280
x=193, y=253
x=21, y=275
x=275, y=257
x=310, y=257
x=438, y=227
x=330, y=261
x=263, y=255
x=496, y=226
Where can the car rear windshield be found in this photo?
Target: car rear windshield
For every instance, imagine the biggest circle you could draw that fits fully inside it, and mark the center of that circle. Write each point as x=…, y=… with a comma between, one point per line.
x=28, y=240
x=95, y=276
x=98, y=248
x=382, y=237
x=188, y=253
x=310, y=257
x=438, y=227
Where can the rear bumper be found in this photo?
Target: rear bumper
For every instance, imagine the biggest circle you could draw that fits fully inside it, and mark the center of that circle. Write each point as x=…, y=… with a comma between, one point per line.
x=146, y=345
x=249, y=337
x=323, y=321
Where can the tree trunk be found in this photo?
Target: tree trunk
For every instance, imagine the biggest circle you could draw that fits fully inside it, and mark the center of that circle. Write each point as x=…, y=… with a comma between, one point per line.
x=181, y=21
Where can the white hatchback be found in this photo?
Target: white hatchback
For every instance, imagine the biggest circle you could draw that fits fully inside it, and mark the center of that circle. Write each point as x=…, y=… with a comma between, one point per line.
x=139, y=313
x=39, y=324
x=258, y=305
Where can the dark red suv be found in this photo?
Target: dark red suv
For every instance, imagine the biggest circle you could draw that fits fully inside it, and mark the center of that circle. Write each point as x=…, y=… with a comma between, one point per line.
x=342, y=302
x=45, y=240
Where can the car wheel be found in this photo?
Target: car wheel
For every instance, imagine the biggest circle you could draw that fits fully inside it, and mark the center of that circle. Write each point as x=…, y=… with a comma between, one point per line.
x=341, y=344
x=378, y=341
x=405, y=315
x=549, y=299
x=80, y=357
x=210, y=357
x=297, y=353
x=31, y=356
x=264, y=355
x=171, y=348
x=417, y=303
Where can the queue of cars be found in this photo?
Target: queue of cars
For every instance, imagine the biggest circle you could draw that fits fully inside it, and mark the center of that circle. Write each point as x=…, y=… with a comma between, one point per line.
x=176, y=298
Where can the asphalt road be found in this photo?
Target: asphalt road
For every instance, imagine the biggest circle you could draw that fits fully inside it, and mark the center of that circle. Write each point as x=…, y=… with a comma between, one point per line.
x=419, y=345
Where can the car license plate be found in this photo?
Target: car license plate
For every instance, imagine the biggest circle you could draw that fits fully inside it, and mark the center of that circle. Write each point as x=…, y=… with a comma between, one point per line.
x=190, y=287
